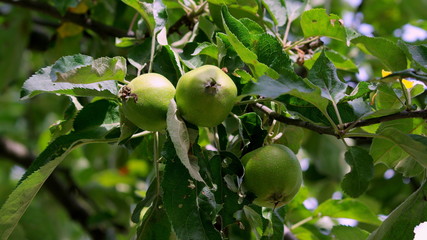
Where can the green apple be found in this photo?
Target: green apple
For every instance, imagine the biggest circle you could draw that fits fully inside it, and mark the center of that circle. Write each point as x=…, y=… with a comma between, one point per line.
x=146, y=99
x=273, y=173
x=205, y=96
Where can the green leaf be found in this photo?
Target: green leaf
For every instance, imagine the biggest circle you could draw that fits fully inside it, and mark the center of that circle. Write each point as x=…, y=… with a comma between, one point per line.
x=324, y=75
x=316, y=22
x=357, y=180
x=182, y=206
x=65, y=126
x=244, y=76
x=347, y=208
x=414, y=145
x=390, y=55
x=101, y=114
x=245, y=54
x=340, y=61
x=314, y=99
x=206, y=48
x=349, y=111
x=270, y=52
x=227, y=56
x=155, y=225
x=236, y=30
x=402, y=220
x=168, y=63
x=386, y=150
x=292, y=137
x=145, y=12
x=181, y=140
x=386, y=97
x=254, y=219
x=276, y=219
x=409, y=167
x=190, y=60
x=261, y=52
x=295, y=8
x=252, y=125
x=277, y=10
x=223, y=195
x=416, y=90
x=253, y=28
x=33, y=179
x=127, y=128
x=271, y=88
x=150, y=196
x=341, y=232
x=416, y=53
x=139, y=55
x=208, y=207
x=305, y=233
x=239, y=8
x=207, y=26
x=360, y=107
x=68, y=63
x=41, y=82
x=359, y=91
x=80, y=69
x=126, y=42
x=304, y=109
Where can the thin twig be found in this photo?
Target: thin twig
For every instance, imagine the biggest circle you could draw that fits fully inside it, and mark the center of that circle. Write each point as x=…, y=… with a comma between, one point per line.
x=285, y=37
x=301, y=42
x=400, y=115
x=295, y=122
x=329, y=130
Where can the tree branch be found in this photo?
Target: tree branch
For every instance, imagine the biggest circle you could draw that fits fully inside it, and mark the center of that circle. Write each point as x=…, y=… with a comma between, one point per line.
x=329, y=130
x=295, y=122
x=408, y=73
x=19, y=154
x=79, y=19
x=401, y=115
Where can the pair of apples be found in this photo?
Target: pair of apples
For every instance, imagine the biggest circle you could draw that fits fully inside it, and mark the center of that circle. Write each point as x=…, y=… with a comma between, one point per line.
x=204, y=97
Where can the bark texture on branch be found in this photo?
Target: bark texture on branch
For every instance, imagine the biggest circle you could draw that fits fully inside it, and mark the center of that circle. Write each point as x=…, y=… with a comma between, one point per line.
x=329, y=130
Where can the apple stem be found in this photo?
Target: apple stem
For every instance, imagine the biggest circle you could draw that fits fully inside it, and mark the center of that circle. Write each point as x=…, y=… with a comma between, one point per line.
x=302, y=222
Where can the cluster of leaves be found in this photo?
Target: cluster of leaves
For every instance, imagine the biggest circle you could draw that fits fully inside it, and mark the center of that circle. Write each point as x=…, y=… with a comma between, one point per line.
x=289, y=92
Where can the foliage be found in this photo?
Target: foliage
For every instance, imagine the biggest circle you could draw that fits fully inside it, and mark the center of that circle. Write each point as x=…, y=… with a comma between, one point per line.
x=298, y=68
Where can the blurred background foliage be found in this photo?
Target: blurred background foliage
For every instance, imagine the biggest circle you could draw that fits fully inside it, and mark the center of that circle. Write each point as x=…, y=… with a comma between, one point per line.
x=93, y=192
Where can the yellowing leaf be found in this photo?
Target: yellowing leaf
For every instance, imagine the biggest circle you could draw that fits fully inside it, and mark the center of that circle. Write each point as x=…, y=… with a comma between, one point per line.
x=408, y=84
x=81, y=8
x=385, y=73
x=68, y=29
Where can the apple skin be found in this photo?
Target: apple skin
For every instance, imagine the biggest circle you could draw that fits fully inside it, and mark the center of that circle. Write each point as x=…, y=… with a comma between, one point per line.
x=273, y=173
x=146, y=99
x=205, y=96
